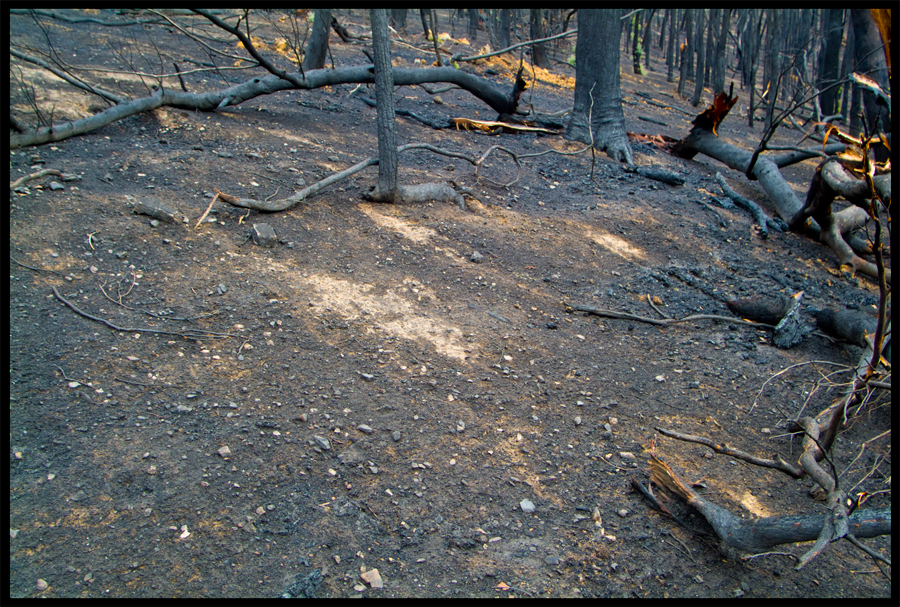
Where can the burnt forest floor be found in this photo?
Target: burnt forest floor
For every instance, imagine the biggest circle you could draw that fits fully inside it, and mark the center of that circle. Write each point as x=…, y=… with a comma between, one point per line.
x=386, y=401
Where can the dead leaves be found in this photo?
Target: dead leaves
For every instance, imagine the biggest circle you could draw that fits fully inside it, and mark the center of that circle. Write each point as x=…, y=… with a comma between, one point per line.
x=495, y=128
x=663, y=142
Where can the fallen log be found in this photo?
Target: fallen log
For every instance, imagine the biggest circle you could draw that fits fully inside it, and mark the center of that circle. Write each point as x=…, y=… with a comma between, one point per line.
x=798, y=215
x=761, y=534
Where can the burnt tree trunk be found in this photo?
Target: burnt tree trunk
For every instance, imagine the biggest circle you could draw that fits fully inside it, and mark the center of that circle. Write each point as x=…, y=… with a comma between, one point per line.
x=829, y=56
x=598, y=98
x=637, y=50
x=687, y=51
x=718, y=80
x=538, y=51
x=317, y=49
x=670, y=48
x=503, y=27
x=701, y=59
x=870, y=61
x=398, y=18
x=384, y=96
x=648, y=38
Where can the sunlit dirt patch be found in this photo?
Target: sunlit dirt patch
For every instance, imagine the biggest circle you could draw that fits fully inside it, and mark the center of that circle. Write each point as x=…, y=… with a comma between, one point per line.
x=391, y=312
x=417, y=234
x=617, y=245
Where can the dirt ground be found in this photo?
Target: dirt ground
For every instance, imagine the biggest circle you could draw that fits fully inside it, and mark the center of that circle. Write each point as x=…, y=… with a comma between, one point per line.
x=387, y=401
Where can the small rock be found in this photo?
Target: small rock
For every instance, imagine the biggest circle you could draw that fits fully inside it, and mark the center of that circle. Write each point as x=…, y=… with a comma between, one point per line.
x=623, y=513
x=156, y=209
x=260, y=511
x=553, y=561
x=527, y=506
x=460, y=426
x=56, y=186
x=13, y=533
x=626, y=455
x=224, y=451
x=577, y=420
x=42, y=585
x=476, y=257
x=183, y=409
x=373, y=578
x=365, y=429
x=151, y=470
x=322, y=442
x=395, y=435
x=263, y=234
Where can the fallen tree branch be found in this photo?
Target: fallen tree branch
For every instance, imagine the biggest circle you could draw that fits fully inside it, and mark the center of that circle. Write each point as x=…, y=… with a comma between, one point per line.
x=761, y=534
x=502, y=103
x=459, y=57
x=762, y=219
x=776, y=464
x=664, y=323
x=199, y=334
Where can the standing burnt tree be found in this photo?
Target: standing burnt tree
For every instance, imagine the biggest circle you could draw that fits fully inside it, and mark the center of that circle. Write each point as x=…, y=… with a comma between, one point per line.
x=597, y=115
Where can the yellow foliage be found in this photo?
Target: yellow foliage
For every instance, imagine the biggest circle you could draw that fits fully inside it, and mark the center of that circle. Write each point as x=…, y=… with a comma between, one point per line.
x=280, y=46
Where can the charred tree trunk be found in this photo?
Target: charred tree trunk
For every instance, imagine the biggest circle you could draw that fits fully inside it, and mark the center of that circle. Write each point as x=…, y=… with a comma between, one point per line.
x=773, y=66
x=636, y=50
x=870, y=61
x=721, y=55
x=384, y=96
x=648, y=37
x=503, y=27
x=829, y=56
x=597, y=115
x=701, y=59
x=473, y=24
x=538, y=51
x=751, y=59
x=398, y=18
x=317, y=49
x=423, y=15
x=687, y=51
x=846, y=67
x=673, y=40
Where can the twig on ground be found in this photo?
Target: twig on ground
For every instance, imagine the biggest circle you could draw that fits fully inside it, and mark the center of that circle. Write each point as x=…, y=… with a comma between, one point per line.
x=777, y=464
x=663, y=323
x=198, y=334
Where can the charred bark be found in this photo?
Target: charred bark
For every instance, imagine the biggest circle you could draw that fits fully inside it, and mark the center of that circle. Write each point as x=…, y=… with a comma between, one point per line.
x=597, y=115
x=317, y=49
